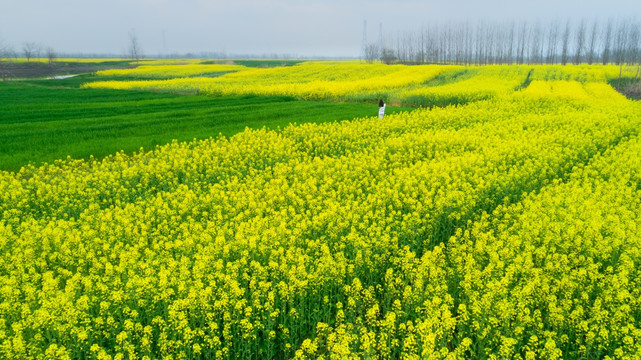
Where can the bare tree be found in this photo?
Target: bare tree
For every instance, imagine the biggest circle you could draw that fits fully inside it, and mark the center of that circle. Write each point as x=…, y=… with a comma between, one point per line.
x=5, y=50
x=421, y=48
x=494, y=44
x=620, y=49
x=552, y=42
x=580, y=42
x=440, y=45
x=592, y=43
x=371, y=52
x=634, y=48
x=38, y=52
x=469, y=40
x=565, y=44
x=457, y=42
x=510, y=43
x=620, y=43
x=607, y=44
x=479, y=42
x=408, y=46
x=51, y=55
x=522, y=43
x=488, y=44
x=30, y=49
x=536, y=44
x=6, y=56
x=135, y=49
x=499, y=36
x=399, y=49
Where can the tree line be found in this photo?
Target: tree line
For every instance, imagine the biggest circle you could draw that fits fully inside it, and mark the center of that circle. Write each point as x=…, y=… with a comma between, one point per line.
x=522, y=42
x=29, y=50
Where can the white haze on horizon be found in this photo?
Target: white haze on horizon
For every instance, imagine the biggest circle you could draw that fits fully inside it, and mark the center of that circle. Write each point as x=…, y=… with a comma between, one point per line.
x=330, y=28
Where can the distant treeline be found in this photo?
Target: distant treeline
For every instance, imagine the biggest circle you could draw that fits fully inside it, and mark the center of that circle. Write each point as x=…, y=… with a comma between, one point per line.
x=521, y=42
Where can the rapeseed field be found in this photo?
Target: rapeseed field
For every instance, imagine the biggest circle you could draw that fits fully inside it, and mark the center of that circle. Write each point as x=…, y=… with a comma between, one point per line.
x=504, y=227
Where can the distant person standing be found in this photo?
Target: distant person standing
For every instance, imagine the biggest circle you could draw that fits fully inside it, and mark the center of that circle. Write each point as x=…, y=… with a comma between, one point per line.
x=381, y=109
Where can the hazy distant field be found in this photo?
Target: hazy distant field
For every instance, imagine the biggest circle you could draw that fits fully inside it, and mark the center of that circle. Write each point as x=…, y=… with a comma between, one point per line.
x=495, y=217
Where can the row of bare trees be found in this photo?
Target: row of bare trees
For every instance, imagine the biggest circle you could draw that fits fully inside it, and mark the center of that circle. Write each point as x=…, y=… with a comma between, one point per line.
x=30, y=50
x=514, y=42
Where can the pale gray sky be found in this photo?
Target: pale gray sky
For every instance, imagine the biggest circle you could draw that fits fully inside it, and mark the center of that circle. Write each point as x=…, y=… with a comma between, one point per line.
x=296, y=27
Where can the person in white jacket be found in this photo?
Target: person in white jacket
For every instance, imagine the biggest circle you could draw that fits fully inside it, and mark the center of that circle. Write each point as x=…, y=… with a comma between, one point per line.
x=381, y=109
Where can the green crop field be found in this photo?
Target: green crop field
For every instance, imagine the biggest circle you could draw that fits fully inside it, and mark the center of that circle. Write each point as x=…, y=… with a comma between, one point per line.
x=44, y=123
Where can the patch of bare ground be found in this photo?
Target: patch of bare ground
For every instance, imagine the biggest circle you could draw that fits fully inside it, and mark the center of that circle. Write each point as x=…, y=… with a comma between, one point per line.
x=633, y=91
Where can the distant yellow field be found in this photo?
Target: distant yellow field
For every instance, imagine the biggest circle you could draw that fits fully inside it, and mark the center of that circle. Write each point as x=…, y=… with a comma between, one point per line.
x=162, y=71
x=351, y=81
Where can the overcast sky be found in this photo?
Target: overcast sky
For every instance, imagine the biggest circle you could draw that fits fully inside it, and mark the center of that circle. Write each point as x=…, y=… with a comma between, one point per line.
x=296, y=27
